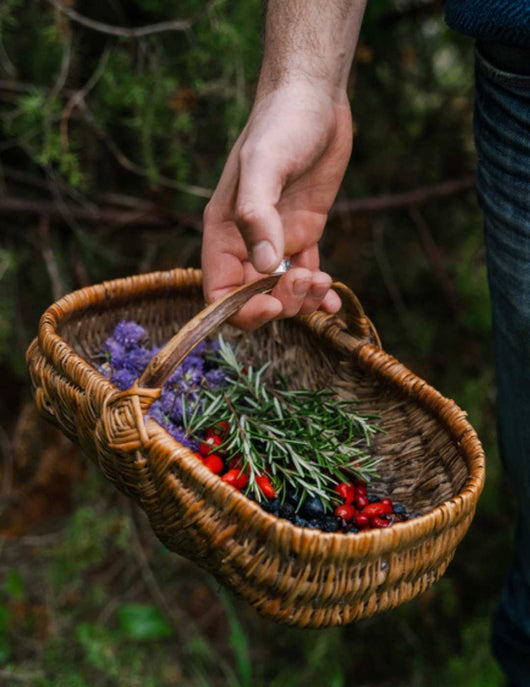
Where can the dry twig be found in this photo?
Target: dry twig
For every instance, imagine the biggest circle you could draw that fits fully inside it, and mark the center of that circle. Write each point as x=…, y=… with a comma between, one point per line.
x=123, y=31
x=433, y=256
x=395, y=201
x=58, y=289
x=150, y=216
x=77, y=98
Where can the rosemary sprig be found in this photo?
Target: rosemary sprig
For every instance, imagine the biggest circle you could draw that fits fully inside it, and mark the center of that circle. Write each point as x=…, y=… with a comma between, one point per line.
x=307, y=441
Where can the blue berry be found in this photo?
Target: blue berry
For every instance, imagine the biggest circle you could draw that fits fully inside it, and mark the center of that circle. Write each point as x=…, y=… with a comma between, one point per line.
x=286, y=510
x=312, y=507
x=272, y=506
x=315, y=524
x=330, y=523
x=300, y=522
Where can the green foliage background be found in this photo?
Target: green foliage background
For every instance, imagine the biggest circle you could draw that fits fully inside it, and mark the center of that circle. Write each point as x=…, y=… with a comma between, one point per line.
x=92, y=121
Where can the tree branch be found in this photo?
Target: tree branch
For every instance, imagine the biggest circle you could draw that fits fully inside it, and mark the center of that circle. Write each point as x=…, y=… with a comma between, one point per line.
x=435, y=259
x=395, y=201
x=147, y=217
x=58, y=289
x=123, y=31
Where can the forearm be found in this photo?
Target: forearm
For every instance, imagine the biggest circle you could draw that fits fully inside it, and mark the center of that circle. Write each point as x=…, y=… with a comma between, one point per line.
x=310, y=39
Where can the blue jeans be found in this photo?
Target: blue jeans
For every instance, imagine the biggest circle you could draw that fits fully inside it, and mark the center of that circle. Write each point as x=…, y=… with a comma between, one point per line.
x=502, y=136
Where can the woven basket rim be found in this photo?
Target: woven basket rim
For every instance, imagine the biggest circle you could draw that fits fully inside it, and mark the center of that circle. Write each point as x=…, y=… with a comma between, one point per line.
x=370, y=543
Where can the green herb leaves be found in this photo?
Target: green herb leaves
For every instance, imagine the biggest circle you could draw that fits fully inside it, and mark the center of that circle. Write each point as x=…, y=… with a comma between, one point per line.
x=305, y=441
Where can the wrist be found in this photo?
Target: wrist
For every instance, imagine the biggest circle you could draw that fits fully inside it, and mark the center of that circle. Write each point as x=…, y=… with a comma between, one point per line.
x=301, y=77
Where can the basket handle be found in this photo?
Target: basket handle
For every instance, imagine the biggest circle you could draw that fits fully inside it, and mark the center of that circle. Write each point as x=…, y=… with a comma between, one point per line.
x=176, y=349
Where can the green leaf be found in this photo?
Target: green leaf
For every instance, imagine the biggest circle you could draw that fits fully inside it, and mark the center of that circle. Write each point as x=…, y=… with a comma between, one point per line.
x=14, y=586
x=142, y=622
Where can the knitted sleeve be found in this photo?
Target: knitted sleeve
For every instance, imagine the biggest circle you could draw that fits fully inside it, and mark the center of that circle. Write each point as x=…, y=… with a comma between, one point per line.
x=503, y=21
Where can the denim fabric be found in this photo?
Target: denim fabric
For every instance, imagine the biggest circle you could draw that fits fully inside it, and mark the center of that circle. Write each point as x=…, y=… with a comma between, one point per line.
x=502, y=136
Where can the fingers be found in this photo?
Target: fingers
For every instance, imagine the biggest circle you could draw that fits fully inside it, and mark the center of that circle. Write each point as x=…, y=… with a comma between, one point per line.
x=331, y=302
x=257, y=312
x=292, y=290
x=256, y=216
x=298, y=291
x=319, y=295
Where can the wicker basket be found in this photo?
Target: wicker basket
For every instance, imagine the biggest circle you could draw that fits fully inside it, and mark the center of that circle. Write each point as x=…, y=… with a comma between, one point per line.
x=432, y=460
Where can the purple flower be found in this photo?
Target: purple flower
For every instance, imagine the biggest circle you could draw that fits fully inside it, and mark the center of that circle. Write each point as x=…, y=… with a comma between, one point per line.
x=137, y=360
x=217, y=378
x=192, y=362
x=129, y=334
x=114, y=352
x=124, y=378
x=176, y=377
x=126, y=359
x=201, y=348
x=192, y=377
x=167, y=400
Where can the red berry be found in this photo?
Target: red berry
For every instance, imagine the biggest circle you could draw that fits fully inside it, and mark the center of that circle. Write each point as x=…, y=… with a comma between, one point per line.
x=388, y=503
x=265, y=486
x=345, y=491
x=359, y=482
x=376, y=509
x=222, y=426
x=235, y=462
x=379, y=522
x=199, y=455
x=237, y=478
x=214, y=463
x=211, y=442
x=346, y=512
x=361, y=501
x=362, y=520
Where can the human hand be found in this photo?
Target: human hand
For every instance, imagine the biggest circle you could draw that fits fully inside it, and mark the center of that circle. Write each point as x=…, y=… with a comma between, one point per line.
x=272, y=200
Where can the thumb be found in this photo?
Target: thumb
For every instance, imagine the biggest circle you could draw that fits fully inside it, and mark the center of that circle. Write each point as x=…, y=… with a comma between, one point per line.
x=257, y=218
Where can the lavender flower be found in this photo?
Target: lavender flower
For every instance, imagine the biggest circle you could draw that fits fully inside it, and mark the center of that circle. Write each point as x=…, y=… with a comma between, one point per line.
x=124, y=378
x=137, y=360
x=114, y=352
x=216, y=378
x=126, y=358
x=129, y=334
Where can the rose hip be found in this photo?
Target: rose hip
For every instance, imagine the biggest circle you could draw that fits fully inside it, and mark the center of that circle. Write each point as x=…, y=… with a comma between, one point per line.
x=236, y=478
x=235, y=462
x=361, y=501
x=346, y=512
x=376, y=509
x=379, y=522
x=214, y=463
x=346, y=492
x=222, y=427
x=211, y=442
x=265, y=486
x=361, y=520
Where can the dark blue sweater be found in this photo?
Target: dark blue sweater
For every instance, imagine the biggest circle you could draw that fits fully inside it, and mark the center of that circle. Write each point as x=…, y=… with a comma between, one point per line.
x=503, y=21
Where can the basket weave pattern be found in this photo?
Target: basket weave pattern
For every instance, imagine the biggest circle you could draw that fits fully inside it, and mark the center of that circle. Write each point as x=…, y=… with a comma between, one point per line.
x=432, y=461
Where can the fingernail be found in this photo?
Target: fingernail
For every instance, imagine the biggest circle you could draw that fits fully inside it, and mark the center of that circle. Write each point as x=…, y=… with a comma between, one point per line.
x=264, y=256
x=319, y=291
x=300, y=286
